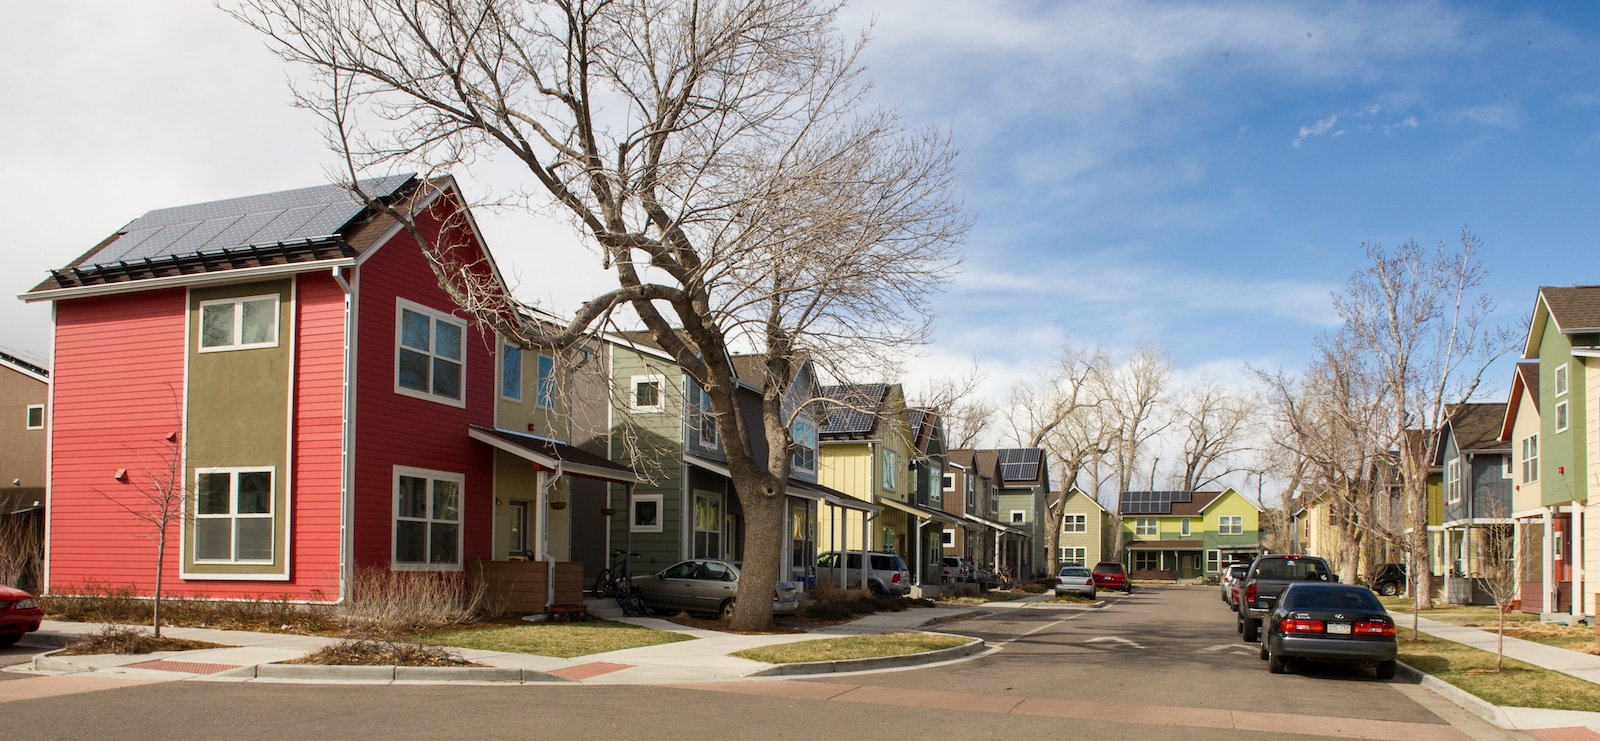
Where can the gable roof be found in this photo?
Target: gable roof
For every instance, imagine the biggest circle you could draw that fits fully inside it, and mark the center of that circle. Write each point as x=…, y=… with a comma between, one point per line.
x=1056, y=496
x=301, y=225
x=1525, y=378
x=29, y=364
x=1218, y=496
x=1476, y=427
x=1572, y=309
x=1021, y=465
x=852, y=410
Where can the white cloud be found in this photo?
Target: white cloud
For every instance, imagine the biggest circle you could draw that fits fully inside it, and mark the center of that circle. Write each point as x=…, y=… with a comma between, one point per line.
x=1317, y=129
x=1497, y=115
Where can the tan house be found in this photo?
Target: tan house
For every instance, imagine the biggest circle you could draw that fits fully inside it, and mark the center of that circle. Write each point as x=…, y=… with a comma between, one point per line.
x=1083, y=528
x=24, y=396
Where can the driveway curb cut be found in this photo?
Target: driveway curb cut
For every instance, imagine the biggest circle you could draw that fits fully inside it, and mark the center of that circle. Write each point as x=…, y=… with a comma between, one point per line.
x=1468, y=701
x=329, y=673
x=804, y=668
x=47, y=662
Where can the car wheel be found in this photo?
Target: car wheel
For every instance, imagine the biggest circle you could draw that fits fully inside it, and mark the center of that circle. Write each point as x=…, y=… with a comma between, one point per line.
x=1389, y=589
x=1238, y=624
x=875, y=589
x=1252, y=631
x=727, y=609
x=1386, y=669
x=1276, y=664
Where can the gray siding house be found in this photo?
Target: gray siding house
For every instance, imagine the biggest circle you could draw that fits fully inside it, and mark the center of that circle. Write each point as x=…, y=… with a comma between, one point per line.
x=1477, y=495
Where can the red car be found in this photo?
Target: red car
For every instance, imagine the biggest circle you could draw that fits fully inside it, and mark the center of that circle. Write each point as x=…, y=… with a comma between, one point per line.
x=1109, y=575
x=19, y=614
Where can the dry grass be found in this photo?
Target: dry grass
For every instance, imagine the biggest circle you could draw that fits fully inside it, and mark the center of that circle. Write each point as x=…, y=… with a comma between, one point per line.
x=99, y=602
x=981, y=598
x=561, y=640
x=396, y=603
x=1517, y=685
x=121, y=639
x=1455, y=613
x=852, y=647
x=1571, y=637
x=21, y=551
x=834, y=604
x=1070, y=599
x=378, y=652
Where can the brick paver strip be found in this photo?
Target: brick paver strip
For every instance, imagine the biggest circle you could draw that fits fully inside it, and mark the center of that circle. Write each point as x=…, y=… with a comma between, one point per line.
x=1316, y=725
x=1576, y=733
x=593, y=669
x=191, y=667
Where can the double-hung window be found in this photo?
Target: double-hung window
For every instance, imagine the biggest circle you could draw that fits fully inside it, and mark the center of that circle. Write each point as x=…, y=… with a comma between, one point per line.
x=1213, y=561
x=891, y=470
x=1183, y=527
x=1074, y=523
x=547, y=381
x=238, y=323
x=805, y=444
x=1074, y=555
x=1230, y=525
x=511, y=373
x=427, y=519
x=1452, y=480
x=431, y=356
x=702, y=420
x=1530, y=459
x=233, y=520
x=1145, y=526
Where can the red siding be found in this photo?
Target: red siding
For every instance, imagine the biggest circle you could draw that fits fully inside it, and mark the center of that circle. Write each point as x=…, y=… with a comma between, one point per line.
x=318, y=420
x=118, y=372
x=392, y=429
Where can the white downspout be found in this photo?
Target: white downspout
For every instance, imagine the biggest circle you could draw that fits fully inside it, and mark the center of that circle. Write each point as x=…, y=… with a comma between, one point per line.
x=866, y=534
x=1548, y=555
x=346, y=469
x=543, y=481
x=1577, y=559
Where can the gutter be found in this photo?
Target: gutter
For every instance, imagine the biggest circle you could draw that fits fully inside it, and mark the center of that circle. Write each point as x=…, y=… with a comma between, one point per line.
x=198, y=279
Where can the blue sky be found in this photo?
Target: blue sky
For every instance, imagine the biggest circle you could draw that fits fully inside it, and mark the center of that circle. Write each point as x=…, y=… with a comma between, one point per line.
x=1200, y=175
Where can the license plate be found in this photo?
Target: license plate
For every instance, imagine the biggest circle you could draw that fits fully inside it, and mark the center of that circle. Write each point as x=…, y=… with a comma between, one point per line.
x=1339, y=629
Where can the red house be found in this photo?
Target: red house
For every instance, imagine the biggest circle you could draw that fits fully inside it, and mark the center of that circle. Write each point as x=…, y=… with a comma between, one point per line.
x=288, y=364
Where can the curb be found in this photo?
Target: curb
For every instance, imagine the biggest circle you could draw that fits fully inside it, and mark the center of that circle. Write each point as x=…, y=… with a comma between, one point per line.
x=1468, y=701
x=976, y=645
x=47, y=662
x=326, y=673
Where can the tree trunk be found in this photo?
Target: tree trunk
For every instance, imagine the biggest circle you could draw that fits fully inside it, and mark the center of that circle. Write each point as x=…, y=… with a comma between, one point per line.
x=1500, y=639
x=764, y=533
x=1421, y=575
x=161, y=558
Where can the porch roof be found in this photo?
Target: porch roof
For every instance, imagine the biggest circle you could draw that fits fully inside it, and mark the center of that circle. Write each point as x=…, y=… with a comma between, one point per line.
x=994, y=525
x=922, y=513
x=550, y=454
x=795, y=488
x=1166, y=545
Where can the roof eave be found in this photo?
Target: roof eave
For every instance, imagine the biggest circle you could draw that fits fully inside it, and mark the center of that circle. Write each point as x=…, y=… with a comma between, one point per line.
x=224, y=276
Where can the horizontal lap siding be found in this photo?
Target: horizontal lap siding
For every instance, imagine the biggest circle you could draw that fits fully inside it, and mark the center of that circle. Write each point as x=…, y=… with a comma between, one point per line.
x=392, y=429
x=118, y=387
x=318, y=428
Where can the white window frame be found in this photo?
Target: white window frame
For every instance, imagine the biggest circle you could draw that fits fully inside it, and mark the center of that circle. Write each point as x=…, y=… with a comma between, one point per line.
x=508, y=351
x=233, y=516
x=1452, y=480
x=809, y=466
x=633, y=510
x=1073, y=555
x=948, y=539
x=1506, y=470
x=1530, y=459
x=948, y=481
x=238, y=323
x=460, y=480
x=1146, y=526
x=1563, y=416
x=545, y=387
x=1183, y=527
x=434, y=316
x=1074, y=523
x=1230, y=525
x=891, y=472
x=1561, y=380
x=661, y=393
x=27, y=418
x=702, y=417
x=1019, y=516
x=1213, y=560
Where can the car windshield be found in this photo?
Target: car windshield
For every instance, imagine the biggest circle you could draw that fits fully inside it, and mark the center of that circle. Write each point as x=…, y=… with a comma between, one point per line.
x=1331, y=599
x=1108, y=568
x=1238, y=569
x=887, y=563
x=1295, y=569
x=1074, y=571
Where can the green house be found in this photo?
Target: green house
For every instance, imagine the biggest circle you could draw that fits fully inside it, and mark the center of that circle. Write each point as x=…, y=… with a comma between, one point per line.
x=1172, y=535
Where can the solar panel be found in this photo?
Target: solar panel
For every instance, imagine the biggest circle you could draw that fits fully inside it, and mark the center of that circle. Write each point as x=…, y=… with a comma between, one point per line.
x=270, y=218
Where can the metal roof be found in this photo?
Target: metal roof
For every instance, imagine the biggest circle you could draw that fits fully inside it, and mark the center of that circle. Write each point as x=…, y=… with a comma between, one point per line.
x=852, y=409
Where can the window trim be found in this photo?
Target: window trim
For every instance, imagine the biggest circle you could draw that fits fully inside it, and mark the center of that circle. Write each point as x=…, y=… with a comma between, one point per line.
x=1227, y=523
x=27, y=419
x=1452, y=480
x=661, y=393
x=429, y=475
x=948, y=538
x=545, y=387
x=1073, y=555
x=1184, y=527
x=238, y=303
x=1563, y=415
x=633, y=510
x=700, y=412
x=271, y=515
x=506, y=352
x=1506, y=470
x=891, y=473
x=1019, y=517
x=434, y=316
x=1139, y=526
x=1562, y=380
x=1213, y=560
x=1530, y=459
x=1074, y=522
x=800, y=445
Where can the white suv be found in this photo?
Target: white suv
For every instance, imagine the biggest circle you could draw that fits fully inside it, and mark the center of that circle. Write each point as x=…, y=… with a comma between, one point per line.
x=887, y=574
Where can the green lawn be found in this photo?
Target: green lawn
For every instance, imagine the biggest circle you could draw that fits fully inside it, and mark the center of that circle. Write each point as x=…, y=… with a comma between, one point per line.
x=1455, y=613
x=1517, y=685
x=561, y=640
x=852, y=647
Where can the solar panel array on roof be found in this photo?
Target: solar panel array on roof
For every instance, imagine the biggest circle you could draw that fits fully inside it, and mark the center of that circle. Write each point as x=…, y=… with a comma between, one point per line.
x=1151, y=502
x=271, y=218
x=1019, y=464
x=853, y=410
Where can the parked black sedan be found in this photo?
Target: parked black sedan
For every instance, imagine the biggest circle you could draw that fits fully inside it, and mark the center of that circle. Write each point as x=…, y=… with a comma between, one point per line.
x=1329, y=622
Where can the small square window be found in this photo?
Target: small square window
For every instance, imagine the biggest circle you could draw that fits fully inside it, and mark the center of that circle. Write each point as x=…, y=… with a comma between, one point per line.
x=1018, y=515
x=949, y=539
x=647, y=394
x=645, y=516
x=35, y=416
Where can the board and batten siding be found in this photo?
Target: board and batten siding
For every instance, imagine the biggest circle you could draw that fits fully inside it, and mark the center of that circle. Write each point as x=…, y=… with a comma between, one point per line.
x=392, y=429
x=118, y=377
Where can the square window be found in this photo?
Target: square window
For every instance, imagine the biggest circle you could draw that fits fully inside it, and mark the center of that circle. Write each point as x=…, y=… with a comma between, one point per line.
x=1018, y=515
x=427, y=520
x=238, y=323
x=1230, y=525
x=949, y=539
x=233, y=515
x=35, y=419
x=646, y=513
x=1145, y=526
x=949, y=481
x=1075, y=523
x=430, y=355
x=511, y=373
x=647, y=394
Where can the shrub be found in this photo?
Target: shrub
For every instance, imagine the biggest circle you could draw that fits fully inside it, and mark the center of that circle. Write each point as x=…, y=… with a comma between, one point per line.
x=121, y=639
x=98, y=602
x=372, y=651
x=392, y=603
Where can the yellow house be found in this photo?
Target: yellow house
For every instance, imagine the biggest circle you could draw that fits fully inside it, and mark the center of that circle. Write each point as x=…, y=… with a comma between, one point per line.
x=1083, y=526
x=864, y=450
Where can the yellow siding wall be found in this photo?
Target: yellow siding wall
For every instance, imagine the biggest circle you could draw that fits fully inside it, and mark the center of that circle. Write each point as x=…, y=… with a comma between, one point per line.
x=847, y=468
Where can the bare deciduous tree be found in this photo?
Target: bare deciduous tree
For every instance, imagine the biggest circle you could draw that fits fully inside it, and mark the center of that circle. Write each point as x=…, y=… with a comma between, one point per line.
x=1419, y=317
x=719, y=155
x=1214, y=419
x=967, y=414
x=158, y=500
x=1137, y=397
x=1498, y=565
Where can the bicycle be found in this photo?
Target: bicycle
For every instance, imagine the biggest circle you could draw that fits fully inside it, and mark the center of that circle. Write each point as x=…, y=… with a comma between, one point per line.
x=617, y=581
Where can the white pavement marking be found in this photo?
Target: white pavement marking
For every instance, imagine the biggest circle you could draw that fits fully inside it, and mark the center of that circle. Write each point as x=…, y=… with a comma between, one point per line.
x=1042, y=627
x=1232, y=647
x=1115, y=639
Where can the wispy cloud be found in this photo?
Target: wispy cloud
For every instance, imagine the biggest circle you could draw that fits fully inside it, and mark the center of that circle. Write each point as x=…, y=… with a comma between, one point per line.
x=1497, y=115
x=1317, y=129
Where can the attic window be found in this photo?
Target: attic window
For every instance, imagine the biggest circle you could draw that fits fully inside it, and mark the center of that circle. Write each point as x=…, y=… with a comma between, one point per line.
x=239, y=323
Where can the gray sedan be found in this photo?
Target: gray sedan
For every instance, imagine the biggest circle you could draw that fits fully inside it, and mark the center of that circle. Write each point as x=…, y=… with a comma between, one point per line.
x=705, y=586
x=1075, y=580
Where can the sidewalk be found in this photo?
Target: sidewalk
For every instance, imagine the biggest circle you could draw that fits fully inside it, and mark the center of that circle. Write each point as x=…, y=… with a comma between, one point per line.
x=705, y=659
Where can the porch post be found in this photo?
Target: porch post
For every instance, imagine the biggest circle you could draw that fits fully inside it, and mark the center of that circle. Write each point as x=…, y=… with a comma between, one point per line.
x=1547, y=584
x=1576, y=556
x=540, y=535
x=866, y=535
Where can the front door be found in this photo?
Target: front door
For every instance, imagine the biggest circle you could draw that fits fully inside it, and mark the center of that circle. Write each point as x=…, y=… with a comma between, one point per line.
x=517, y=543
x=707, y=525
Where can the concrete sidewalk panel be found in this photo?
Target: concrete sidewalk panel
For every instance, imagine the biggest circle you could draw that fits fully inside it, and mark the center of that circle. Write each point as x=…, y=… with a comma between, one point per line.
x=456, y=674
